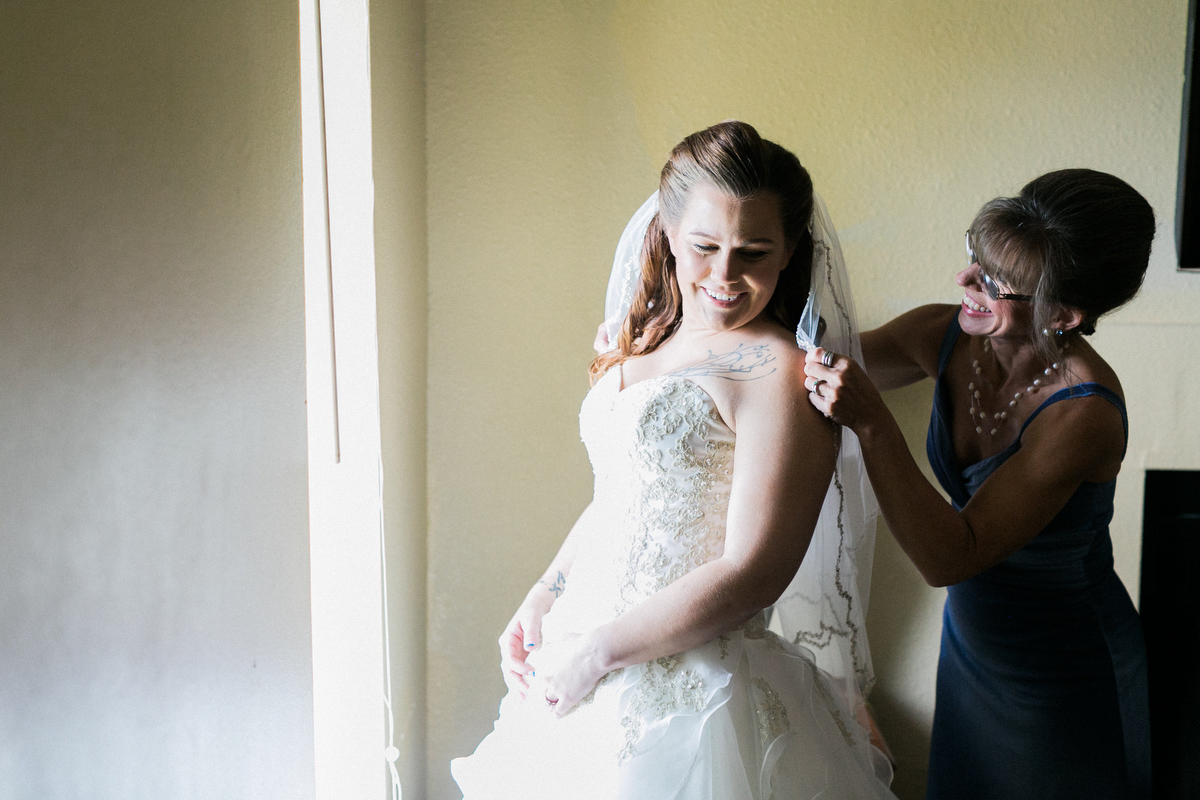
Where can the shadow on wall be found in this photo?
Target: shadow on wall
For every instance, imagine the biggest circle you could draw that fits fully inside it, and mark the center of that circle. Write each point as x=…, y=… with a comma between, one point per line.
x=904, y=625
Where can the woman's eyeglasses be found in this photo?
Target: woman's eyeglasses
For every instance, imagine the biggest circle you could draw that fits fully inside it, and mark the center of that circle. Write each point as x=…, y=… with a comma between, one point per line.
x=989, y=284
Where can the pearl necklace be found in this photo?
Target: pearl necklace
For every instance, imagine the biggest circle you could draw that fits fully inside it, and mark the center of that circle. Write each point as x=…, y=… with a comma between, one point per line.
x=978, y=415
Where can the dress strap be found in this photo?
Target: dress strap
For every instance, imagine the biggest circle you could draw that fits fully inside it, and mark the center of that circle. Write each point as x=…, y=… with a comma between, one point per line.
x=1090, y=389
x=948, y=340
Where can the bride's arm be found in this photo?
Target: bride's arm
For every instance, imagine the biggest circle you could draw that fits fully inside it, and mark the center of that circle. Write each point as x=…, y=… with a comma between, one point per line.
x=524, y=631
x=784, y=458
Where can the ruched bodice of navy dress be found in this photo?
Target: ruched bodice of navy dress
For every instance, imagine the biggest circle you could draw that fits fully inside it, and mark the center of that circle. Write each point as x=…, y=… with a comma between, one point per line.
x=1041, y=684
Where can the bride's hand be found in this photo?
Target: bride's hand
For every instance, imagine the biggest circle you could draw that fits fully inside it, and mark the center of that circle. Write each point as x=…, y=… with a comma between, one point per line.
x=522, y=634
x=600, y=344
x=567, y=669
x=841, y=391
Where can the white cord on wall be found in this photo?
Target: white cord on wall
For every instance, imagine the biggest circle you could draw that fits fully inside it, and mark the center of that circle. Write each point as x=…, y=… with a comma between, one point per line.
x=391, y=752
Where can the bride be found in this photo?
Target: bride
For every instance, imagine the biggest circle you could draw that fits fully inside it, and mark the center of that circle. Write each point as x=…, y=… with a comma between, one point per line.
x=640, y=665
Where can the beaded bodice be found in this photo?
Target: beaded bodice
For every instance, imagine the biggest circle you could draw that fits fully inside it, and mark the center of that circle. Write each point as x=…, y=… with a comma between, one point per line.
x=663, y=463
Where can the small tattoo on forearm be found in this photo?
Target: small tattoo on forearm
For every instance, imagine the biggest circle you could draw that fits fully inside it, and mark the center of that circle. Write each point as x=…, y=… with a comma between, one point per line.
x=556, y=588
x=736, y=365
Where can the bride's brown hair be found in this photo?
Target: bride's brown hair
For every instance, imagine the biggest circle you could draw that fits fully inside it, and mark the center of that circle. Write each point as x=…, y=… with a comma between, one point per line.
x=732, y=157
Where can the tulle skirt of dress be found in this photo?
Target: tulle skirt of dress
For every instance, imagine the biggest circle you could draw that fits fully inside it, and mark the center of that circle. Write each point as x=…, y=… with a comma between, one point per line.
x=747, y=716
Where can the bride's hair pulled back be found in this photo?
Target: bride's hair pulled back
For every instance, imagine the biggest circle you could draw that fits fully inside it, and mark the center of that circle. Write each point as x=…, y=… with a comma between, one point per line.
x=733, y=158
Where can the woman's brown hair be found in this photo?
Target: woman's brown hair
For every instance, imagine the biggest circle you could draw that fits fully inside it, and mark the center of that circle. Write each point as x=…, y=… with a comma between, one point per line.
x=732, y=157
x=1072, y=238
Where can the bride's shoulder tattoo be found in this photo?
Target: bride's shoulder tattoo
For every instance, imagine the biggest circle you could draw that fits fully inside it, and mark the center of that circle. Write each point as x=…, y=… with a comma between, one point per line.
x=743, y=363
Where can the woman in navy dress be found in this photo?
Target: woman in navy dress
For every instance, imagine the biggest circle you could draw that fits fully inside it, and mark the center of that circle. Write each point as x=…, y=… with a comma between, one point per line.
x=1041, y=685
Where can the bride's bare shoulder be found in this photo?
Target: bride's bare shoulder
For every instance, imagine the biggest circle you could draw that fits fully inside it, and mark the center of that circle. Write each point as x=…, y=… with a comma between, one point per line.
x=744, y=357
x=747, y=368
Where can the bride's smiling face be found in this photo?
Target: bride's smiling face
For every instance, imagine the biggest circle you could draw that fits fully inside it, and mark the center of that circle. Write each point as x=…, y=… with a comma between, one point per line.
x=728, y=256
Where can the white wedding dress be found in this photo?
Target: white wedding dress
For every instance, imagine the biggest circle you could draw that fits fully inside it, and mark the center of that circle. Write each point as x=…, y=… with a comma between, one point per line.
x=747, y=715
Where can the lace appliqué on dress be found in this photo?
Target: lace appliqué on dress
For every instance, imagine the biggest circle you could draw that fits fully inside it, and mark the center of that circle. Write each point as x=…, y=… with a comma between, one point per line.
x=663, y=689
x=669, y=485
x=756, y=628
x=772, y=713
x=723, y=646
x=684, y=490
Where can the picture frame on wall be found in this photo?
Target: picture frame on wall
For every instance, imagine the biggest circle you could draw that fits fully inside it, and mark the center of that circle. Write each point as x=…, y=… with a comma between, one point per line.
x=1187, y=205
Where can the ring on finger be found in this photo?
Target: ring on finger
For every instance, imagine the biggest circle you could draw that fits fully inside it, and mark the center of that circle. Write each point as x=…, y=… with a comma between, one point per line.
x=827, y=358
x=816, y=387
x=550, y=702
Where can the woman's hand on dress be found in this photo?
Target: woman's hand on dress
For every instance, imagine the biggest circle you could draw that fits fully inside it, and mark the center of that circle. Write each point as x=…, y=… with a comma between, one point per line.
x=568, y=668
x=841, y=391
x=522, y=634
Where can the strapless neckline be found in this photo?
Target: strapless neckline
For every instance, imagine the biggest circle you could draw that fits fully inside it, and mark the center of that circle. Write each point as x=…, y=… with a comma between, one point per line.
x=621, y=389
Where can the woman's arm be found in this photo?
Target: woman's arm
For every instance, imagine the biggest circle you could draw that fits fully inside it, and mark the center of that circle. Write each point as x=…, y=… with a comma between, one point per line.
x=784, y=458
x=906, y=349
x=524, y=631
x=1067, y=444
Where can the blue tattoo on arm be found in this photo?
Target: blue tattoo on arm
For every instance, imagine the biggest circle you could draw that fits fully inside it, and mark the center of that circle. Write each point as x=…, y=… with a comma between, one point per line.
x=556, y=588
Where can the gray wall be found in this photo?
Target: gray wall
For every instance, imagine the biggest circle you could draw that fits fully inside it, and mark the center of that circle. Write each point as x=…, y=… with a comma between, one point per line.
x=154, y=607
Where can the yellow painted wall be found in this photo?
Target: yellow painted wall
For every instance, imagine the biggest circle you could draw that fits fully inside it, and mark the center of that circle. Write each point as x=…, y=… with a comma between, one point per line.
x=547, y=124
x=398, y=153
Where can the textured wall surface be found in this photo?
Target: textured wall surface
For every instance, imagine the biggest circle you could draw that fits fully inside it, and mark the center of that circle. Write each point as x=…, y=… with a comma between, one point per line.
x=154, y=604
x=398, y=152
x=547, y=124
x=534, y=166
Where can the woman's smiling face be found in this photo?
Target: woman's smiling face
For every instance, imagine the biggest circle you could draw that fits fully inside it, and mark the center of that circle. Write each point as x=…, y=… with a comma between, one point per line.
x=980, y=315
x=728, y=256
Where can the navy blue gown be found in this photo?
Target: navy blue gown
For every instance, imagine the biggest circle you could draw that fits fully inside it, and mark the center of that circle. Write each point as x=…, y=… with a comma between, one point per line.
x=1041, y=683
